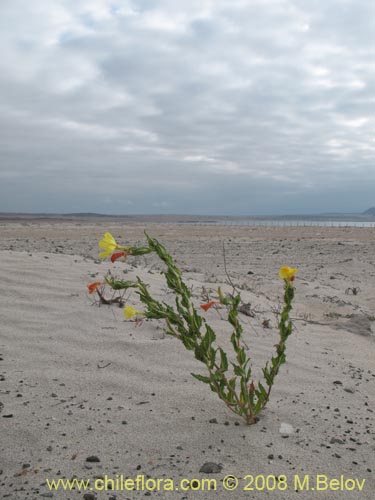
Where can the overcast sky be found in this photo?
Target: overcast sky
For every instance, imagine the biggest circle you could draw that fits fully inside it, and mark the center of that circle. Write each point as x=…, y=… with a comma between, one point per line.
x=187, y=106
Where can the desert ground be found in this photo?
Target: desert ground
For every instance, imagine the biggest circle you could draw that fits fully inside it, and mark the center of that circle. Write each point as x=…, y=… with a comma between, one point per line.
x=78, y=382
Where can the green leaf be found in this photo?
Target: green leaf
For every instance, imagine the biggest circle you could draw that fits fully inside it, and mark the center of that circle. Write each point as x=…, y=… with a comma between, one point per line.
x=140, y=250
x=258, y=406
x=237, y=370
x=233, y=339
x=241, y=356
x=200, y=354
x=232, y=384
x=188, y=343
x=121, y=284
x=223, y=360
x=262, y=391
x=211, y=334
x=201, y=378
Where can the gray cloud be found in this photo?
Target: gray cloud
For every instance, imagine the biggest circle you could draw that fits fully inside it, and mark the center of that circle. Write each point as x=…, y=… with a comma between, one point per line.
x=210, y=106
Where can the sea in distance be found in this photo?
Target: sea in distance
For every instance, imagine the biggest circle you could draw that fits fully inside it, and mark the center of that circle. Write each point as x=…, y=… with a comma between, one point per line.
x=281, y=222
x=321, y=220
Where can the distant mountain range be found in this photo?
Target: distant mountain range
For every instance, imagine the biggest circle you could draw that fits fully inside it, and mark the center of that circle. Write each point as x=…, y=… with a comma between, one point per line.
x=370, y=211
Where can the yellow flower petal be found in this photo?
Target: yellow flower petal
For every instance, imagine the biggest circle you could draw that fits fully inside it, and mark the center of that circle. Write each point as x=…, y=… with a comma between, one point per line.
x=287, y=273
x=108, y=243
x=130, y=312
x=103, y=255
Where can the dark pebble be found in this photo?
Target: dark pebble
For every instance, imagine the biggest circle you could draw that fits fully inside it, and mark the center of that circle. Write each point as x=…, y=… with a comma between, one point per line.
x=211, y=468
x=92, y=458
x=336, y=440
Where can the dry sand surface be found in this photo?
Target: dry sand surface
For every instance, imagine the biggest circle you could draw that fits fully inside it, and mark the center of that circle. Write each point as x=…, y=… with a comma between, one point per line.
x=77, y=381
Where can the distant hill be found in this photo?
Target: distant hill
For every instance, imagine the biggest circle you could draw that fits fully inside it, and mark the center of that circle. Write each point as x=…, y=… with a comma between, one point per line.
x=370, y=211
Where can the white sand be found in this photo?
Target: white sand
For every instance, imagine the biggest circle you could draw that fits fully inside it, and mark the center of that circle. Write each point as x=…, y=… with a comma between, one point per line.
x=65, y=408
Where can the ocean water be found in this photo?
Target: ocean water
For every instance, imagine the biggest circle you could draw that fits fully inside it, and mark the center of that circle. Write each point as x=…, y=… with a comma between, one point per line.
x=242, y=221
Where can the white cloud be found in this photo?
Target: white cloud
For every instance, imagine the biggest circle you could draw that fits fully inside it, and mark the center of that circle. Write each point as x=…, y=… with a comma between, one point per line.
x=219, y=96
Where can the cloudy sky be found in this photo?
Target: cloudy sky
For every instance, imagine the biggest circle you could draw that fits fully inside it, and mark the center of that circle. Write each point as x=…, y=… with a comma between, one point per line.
x=187, y=106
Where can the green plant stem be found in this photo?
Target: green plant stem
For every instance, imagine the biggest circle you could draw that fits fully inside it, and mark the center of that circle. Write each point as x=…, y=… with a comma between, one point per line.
x=186, y=324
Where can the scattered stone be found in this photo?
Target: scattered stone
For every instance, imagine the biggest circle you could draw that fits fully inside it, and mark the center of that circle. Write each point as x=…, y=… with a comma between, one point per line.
x=89, y=496
x=286, y=429
x=351, y=390
x=266, y=323
x=336, y=441
x=211, y=468
x=270, y=456
x=337, y=382
x=9, y=415
x=213, y=421
x=92, y=458
x=48, y=494
x=246, y=310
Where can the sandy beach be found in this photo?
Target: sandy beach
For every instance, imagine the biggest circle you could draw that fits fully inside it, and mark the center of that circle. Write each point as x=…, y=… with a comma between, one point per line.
x=77, y=382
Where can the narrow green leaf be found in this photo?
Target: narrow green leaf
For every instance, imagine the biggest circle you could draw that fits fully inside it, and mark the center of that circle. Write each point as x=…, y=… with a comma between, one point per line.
x=223, y=360
x=201, y=378
x=262, y=391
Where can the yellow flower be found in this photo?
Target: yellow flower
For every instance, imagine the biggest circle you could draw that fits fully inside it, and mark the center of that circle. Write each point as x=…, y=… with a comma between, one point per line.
x=287, y=273
x=108, y=243
x=130, y=312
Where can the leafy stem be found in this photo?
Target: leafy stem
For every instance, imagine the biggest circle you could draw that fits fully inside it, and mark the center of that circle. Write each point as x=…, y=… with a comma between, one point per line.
x=230, y=377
